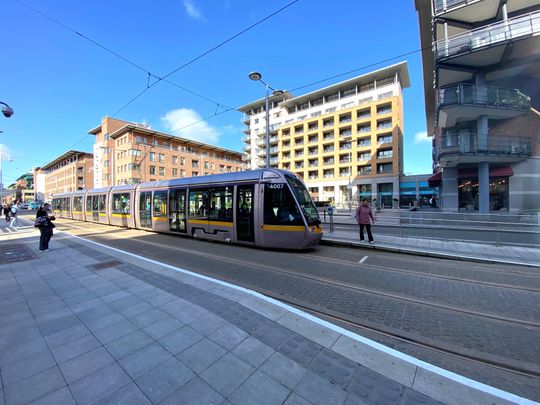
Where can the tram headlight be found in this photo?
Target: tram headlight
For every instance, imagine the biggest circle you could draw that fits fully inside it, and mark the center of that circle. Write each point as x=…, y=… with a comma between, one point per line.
x=316, y=229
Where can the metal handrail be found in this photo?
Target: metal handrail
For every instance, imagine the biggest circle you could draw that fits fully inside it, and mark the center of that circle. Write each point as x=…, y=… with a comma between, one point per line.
x=471, y=143
x=445, y=5
x=492, y=34
x=481, y=95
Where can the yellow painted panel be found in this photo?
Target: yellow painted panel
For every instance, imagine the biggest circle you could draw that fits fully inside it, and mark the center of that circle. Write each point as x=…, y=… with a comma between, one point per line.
x=122, y=215
x=283, y=228
x=160, y=219
x=220, y=223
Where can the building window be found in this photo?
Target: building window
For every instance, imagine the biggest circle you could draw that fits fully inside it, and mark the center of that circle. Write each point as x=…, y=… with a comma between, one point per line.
x=195, y=164
x=162, y=158
x=152, y=169
x=175, y=172
x=161, y=171
x=384, y=168
x=106, y=163
x=175, y=160
x=152, y=156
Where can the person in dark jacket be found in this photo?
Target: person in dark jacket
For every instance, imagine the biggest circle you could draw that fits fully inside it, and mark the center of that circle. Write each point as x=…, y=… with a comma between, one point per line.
x=7, y=211
x=364, y=218
x=46, y=228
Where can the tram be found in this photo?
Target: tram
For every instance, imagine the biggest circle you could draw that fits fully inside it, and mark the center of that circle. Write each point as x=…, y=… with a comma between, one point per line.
x=265, y=207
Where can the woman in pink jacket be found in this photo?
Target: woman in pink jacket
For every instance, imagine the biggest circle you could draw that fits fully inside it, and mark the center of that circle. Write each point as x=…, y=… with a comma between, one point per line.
x=364, y=217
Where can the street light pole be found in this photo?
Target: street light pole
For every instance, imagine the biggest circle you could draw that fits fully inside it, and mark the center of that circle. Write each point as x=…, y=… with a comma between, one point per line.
x=257, y=77
x=267, y=132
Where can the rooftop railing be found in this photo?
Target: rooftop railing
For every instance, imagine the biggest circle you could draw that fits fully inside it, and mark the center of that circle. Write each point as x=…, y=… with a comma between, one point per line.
x=445, y=5
x=471, y=143
x=489, y=35
x=478, y=95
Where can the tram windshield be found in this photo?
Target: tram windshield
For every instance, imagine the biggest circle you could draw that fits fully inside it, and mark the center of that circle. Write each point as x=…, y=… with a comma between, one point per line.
x=304, y=199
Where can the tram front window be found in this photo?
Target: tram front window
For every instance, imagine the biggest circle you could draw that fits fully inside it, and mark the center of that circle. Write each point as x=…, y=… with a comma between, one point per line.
x=304, y=199
x=280, y=207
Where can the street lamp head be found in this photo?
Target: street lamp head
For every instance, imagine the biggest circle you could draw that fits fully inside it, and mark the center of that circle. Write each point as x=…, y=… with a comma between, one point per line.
x=277, y=93
x=256, y=76
x=7, y=111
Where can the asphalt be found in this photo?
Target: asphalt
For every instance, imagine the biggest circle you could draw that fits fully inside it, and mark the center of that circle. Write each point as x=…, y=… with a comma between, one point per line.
x=85, y=323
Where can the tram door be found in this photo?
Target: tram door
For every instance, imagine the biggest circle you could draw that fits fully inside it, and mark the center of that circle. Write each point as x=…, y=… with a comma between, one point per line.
x=177, y=210
x=244, y=213
x=145, y=209
x=95, y=208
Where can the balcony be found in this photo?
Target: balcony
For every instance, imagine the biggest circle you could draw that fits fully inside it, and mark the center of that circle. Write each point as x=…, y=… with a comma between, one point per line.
x=246, y=139
x=466, y=10
x=458, y=47
x=246, y=158
x=464, y=102
x=473, y=148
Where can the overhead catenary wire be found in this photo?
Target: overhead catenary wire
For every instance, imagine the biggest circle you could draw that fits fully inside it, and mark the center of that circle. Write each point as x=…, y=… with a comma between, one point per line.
x=205, y=53
x=148, y=73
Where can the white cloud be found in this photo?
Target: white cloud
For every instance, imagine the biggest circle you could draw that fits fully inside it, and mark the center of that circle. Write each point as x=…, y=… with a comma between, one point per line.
x=184, y=122
x=193, y=11
x=421, y=137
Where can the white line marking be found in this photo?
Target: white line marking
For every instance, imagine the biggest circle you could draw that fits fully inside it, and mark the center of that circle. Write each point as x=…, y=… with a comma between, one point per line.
x=405, y=357
x=363, y=259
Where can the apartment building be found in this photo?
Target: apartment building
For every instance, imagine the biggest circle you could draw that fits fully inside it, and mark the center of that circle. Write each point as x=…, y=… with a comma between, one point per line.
x=481, y=68
x=24, y=188
x=74, y=170
x=129, y=153
x=344, y=140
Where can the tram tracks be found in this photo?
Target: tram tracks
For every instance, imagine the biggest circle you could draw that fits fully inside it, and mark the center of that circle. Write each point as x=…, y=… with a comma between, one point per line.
x=430, y=275
x=424, y=342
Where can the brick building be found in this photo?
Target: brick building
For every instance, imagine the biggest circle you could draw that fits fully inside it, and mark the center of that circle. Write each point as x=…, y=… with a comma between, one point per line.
x=72, y=171
x=129, y=153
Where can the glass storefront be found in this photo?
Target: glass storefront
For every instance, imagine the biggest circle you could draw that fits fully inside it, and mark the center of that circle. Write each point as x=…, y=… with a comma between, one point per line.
x=364, y=191
x=385, y=191
x=429, y=196
x=469, y=197
x=407, y=194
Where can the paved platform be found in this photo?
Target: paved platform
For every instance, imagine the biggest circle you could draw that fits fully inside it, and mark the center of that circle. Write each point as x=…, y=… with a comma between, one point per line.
x=84, y=323
x=482, y=252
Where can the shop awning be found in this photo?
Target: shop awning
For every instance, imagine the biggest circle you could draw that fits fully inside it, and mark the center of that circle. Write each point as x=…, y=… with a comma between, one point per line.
x=495, y=171
x=435, y=180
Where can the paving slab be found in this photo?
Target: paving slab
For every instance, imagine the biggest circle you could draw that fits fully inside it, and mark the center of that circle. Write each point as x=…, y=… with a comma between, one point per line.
x=144, y=332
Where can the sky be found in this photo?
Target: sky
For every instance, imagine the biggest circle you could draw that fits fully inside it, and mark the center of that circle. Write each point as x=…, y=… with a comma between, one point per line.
x=61, y=85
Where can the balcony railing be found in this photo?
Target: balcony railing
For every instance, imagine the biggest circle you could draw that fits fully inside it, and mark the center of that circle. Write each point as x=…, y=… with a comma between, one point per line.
x=445, y=5
x=471, y=143
x=489, y=35
x=488, y=96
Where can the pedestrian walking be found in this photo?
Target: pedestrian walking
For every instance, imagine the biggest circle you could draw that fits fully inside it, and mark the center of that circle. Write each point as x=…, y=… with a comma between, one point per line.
x=14, y=216
x=364, y=218
x=45, y=225
x=7, y=211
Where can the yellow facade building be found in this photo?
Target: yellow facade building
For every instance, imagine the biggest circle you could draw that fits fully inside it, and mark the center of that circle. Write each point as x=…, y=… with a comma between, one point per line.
x=345, y=140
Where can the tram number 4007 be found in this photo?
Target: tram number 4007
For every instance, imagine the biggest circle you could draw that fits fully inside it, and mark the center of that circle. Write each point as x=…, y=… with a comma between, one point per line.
x=275, y=186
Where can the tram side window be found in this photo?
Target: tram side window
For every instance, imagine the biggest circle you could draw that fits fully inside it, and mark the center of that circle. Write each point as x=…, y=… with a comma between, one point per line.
x=88, y=203
x=198, y=204
x=221, y=202
x=77, y=204
x=101, y=203
x=280, y=207
x=67, y=204
x=120, y=203
x=160, y=203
